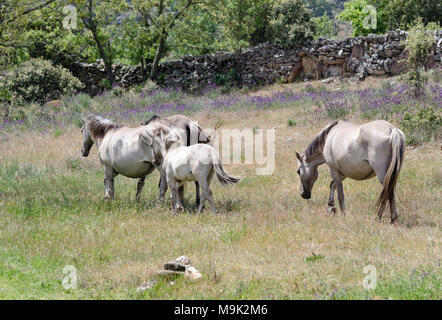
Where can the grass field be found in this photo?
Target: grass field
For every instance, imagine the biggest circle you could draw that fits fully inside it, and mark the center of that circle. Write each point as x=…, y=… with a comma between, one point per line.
x=266, y=242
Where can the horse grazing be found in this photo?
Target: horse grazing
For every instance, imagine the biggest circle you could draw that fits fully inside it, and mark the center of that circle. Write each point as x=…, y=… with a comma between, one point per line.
x=122, y=150
x=197, y=162
x=359, y=152
x=190, y=132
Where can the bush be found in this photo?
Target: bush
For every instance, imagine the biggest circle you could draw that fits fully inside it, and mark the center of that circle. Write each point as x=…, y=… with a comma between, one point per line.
x=422, y=127
x=418, y=43
x=38, y=81
x=291, y=23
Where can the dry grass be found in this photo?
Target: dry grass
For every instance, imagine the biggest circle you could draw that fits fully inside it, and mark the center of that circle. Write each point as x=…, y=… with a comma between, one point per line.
x=53, y=214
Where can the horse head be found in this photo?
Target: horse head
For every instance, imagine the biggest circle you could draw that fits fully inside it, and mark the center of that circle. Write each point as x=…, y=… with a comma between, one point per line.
x=308, y=174
x=87, y=138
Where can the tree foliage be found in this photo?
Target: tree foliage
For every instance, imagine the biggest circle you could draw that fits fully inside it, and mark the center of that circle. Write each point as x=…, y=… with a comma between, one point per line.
x=291, y=23
x=390, y=14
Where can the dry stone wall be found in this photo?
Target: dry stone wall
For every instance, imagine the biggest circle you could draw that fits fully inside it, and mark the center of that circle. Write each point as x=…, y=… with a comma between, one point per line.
x=268, y=63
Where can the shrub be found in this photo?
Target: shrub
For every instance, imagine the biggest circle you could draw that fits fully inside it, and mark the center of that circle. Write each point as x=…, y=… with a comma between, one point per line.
x=337, y=109
x=418, y=43
x=291, y=23
x=79, y=102
x=422, y=127
x=38, y=81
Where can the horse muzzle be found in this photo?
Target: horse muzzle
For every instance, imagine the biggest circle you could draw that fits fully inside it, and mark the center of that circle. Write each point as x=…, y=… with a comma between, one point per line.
x=84, y=153
x=306, y=195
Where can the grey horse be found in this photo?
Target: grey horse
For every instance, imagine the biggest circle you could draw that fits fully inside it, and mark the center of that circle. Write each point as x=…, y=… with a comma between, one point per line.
x=357, y=151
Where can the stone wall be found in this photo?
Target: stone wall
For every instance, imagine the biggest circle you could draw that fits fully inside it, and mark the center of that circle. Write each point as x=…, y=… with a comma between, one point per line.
x=268, y=63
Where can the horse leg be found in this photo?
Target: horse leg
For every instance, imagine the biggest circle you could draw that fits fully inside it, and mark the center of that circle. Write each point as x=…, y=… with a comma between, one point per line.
x=331, y=201
x=109, y=183
x=204, y=183
x=209, y=197
x=202, y=200
x=337, y=183
x=162, y=184
x=173, y=194
x=105, y=189
x=197, y=187
x=340, y=188
x=109, y=191
x=140, y=188
x=181, y=193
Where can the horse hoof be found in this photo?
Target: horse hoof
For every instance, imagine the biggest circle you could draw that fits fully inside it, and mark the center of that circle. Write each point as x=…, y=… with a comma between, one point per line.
x=331, y=210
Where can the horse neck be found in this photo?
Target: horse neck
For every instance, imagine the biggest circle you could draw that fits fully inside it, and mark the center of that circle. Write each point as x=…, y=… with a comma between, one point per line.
x=175, y=145
x=98, y=142
x=317, y=159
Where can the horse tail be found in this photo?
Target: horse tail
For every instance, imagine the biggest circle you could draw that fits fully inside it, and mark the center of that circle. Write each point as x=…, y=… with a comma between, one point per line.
x=187, y=128
x=397, y=143
x=203, y=137
x=195, y=134
x=223, y=176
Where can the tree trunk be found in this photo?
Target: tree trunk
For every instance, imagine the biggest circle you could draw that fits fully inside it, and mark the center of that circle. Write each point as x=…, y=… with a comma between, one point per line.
x=106, y=59
x=142, y=68
x=154, y=71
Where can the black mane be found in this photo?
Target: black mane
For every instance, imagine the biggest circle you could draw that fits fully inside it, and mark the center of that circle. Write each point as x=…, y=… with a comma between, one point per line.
x=318, y=142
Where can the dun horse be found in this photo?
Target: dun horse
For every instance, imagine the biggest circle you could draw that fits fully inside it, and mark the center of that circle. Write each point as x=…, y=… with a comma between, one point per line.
x=359, y=152
x=122, y=150
x=190, y=132
x=197, y=162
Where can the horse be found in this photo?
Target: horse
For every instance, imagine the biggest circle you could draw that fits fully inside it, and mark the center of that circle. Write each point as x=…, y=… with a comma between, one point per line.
x=122, y=150
x=359, y=152
x=197, y=162
x=190, y=132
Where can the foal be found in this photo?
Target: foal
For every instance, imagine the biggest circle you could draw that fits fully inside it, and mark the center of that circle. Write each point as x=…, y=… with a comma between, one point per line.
x=197, y=162
x=190, y=132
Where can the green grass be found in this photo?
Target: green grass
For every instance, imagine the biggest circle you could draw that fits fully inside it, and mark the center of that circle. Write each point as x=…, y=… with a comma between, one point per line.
x=266, y=242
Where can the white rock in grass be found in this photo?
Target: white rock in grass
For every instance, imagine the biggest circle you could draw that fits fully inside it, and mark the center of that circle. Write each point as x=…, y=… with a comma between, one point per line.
x=191, y=273
x=183, y=260
x=147, y=286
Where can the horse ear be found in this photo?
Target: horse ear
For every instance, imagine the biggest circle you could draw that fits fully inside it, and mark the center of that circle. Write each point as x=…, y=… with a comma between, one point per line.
x=298, y=156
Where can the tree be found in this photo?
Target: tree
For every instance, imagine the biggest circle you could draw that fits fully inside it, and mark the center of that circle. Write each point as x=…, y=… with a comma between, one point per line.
x=319, y=7
x=244, y=21
x=324, y=26
x=14, y=14
x=389, y=14
x=365, y=16
x=197, y=33
x=160, y=17
x=96, y=16
x=403, y=13
x=291, y=23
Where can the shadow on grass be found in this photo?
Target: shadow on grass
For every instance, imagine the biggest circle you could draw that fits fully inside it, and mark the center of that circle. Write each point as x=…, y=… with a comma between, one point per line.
x=223, y=206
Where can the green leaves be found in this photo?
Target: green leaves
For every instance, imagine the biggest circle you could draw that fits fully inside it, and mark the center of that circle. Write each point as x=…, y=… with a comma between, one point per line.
x=291, y=23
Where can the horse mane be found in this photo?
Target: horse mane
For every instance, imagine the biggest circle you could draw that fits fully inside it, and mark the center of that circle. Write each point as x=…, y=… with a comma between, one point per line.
x=98, y=126
x=170, y=142
x=151, y=119
x=319, y=141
